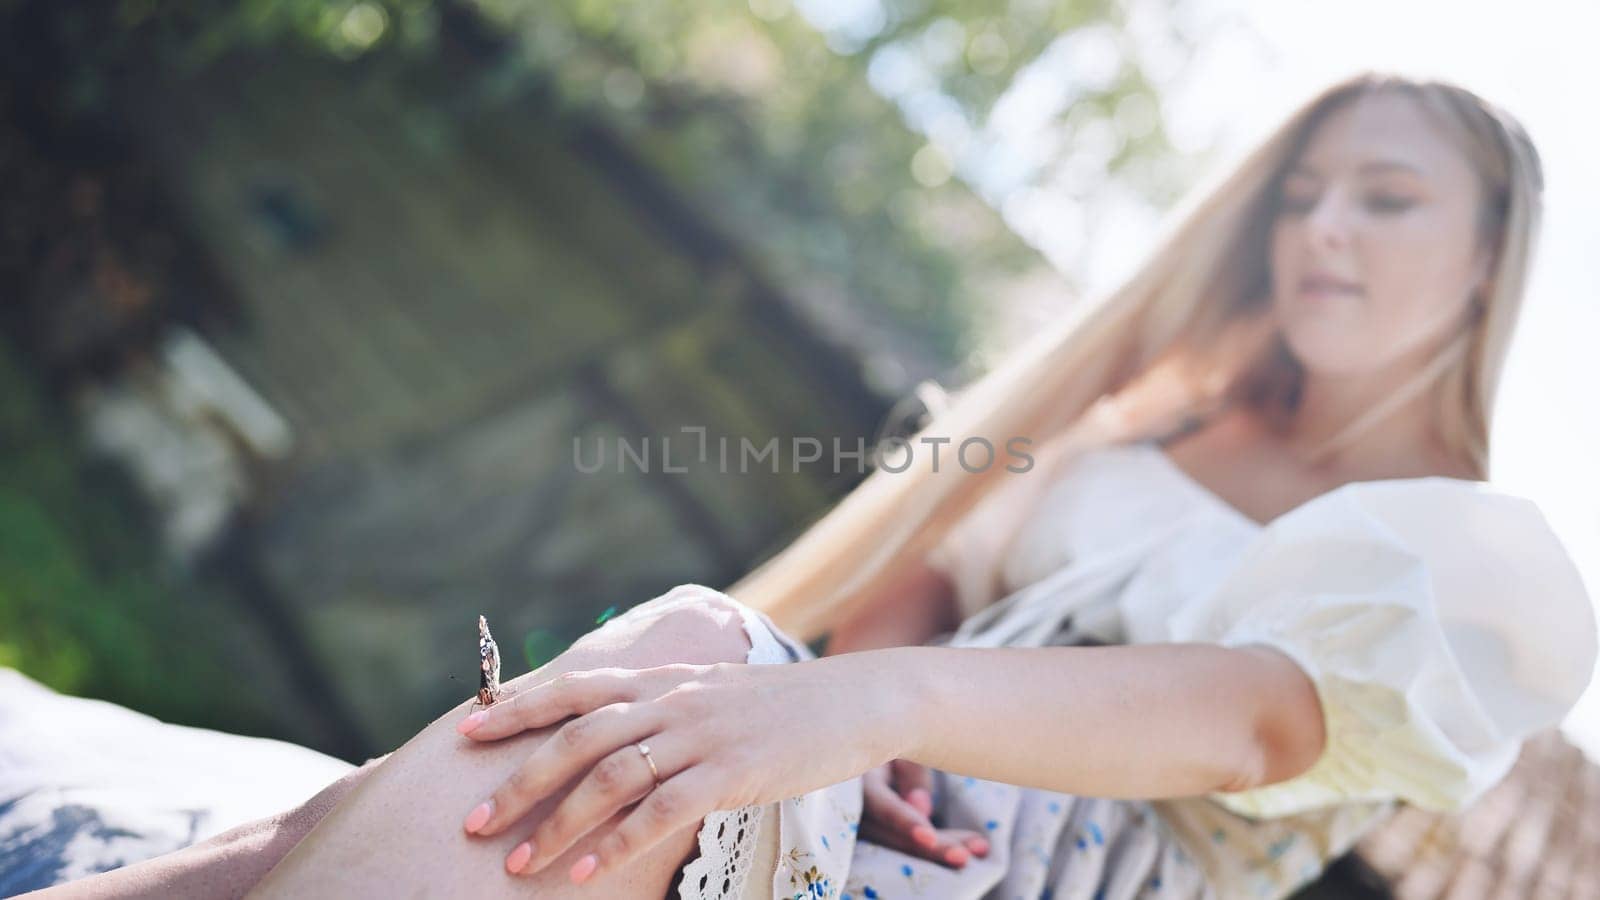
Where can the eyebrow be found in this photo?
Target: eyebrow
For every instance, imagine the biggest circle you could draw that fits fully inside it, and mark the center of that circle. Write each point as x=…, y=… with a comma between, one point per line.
x=1382, y=165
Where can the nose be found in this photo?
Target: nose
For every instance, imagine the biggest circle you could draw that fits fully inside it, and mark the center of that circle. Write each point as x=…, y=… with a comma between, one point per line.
x=1328, y=222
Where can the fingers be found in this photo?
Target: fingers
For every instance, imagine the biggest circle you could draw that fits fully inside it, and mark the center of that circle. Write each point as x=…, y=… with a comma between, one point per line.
x=914, y=782
x=579, y=746
x=619, y=779
x=975, y=843
x=893, y=812
x=894, y=820
x=951, y=846
x=568, y=694
x=675, y=804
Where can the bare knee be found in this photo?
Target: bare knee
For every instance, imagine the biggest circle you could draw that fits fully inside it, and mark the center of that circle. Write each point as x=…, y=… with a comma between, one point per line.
x=690, y=624
x=711, y=623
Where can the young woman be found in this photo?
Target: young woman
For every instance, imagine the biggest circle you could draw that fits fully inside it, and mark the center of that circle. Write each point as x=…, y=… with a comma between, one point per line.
x=1252, y=593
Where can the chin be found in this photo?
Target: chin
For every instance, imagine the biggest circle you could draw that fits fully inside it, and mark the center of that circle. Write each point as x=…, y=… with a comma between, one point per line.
x=1331, y=355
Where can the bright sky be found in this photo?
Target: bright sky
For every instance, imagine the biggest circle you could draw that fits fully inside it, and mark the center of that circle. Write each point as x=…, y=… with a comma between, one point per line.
x=1262, y=57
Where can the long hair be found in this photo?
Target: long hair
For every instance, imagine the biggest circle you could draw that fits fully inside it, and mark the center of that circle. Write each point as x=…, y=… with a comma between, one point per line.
x=1187, y=334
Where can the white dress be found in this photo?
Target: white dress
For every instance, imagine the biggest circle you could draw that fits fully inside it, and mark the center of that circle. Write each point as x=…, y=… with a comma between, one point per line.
x=1441, y=621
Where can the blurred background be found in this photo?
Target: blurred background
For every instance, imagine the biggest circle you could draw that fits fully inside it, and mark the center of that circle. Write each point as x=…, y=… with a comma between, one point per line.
x=305, y=301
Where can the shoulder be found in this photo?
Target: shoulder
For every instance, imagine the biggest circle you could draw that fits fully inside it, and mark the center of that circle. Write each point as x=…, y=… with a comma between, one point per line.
x=1457, y=517
x=1458, y=525
x=1500, y=575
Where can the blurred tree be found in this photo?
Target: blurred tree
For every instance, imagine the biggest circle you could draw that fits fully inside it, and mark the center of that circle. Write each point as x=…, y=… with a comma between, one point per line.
x=87, y=607
x=852, y=158
x=766, y=115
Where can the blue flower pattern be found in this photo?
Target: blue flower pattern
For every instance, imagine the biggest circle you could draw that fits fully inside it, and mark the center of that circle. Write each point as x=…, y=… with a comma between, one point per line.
x=1019, y=864
x=881, y=872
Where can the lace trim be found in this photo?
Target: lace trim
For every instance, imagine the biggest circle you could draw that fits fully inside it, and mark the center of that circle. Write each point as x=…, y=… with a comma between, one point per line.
x=728, y=838
x=726, y=850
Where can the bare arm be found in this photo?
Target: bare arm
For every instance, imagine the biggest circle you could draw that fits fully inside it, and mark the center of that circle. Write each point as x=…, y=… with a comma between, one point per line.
x=227, y=865
x=913, y=606
x=1145, y=721
x=1153, y=720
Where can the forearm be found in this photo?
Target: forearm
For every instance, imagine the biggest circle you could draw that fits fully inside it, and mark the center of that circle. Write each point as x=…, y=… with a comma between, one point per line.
x=226, y=865
x=1151, y=720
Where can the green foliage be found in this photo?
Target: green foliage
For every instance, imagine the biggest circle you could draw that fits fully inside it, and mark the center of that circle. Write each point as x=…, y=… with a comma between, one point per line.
x=768, y=125
x=84, y=607
x=775, y=130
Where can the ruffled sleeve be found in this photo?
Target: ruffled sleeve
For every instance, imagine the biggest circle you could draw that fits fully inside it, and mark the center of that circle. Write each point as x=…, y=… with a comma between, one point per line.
x=1441, y=621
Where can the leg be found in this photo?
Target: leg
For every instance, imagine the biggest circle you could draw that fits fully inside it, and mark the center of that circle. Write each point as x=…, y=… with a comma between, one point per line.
x=399, y=831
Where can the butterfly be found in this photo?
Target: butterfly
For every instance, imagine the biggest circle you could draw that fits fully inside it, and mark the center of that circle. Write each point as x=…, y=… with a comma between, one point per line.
x=488, y=665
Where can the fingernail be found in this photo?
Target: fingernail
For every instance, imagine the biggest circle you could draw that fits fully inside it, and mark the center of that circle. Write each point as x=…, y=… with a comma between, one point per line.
x=978, y=845
x=519, y=857
x=924, y=835
x=583, y=868
x=956, y=856
x=479, y=816
x=465, y=726
x=921, y=800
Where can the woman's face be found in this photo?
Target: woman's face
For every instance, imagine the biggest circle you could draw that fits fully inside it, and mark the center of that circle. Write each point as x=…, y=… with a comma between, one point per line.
x=1374, y=243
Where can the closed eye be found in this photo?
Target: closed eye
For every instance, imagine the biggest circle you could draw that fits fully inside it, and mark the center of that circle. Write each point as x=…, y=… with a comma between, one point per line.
x=1289, y=204
x=1382, y=204
x=1389, y=203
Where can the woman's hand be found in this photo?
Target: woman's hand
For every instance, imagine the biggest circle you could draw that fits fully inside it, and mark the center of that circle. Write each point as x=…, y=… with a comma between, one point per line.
x=722, y=736
x=896, y=804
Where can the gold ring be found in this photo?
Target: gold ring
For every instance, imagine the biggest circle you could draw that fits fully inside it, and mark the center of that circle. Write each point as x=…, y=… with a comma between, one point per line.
x=645, y=752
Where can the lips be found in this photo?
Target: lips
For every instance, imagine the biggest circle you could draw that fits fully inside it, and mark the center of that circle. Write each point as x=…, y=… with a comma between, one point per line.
x=1327, y=285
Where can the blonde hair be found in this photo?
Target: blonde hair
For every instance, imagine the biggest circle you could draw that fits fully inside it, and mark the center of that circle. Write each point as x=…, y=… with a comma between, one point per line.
x=1186, y=335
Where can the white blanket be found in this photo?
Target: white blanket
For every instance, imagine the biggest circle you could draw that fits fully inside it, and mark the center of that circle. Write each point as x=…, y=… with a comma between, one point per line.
x=87, y=786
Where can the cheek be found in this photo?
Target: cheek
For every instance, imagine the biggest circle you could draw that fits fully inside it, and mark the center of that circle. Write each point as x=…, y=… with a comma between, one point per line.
x=1415, y=274
x=1418, y=274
